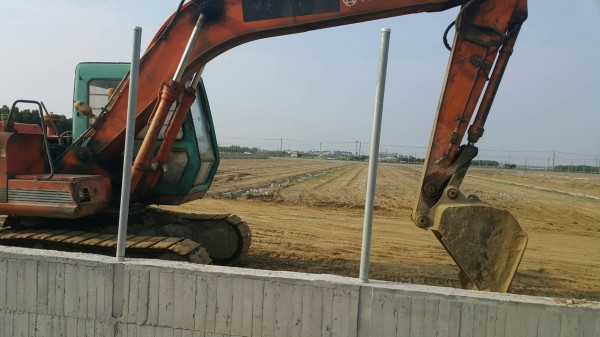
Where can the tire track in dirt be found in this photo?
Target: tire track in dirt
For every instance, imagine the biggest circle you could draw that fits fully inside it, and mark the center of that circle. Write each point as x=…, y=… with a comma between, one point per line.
x=337, y=175
x=356, y=175
x=262, y=173
x=579, y=195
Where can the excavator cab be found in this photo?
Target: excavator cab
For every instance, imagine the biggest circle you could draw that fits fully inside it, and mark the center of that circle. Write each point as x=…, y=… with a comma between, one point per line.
x=194, y=158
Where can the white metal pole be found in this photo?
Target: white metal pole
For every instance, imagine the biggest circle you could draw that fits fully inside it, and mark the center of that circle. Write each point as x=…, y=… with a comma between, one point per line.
x=129, y=133
x=374, y=157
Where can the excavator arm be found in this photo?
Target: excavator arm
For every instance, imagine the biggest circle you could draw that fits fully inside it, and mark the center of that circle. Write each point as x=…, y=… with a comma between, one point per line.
x=486, y=243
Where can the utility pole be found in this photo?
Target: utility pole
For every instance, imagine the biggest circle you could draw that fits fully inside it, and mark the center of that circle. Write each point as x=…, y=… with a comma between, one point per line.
x=548, y=165
x=553, y=157
x=525, y=163
x=320, y=144
x=360, y=148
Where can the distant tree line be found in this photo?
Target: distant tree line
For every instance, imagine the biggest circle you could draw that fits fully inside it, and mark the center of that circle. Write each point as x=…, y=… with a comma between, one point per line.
x=576, y=168
x=486, y=163
x=28, y=116
x=237, y=149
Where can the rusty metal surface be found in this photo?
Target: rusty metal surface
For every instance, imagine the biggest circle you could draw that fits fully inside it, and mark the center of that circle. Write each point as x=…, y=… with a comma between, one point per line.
x=56, y=198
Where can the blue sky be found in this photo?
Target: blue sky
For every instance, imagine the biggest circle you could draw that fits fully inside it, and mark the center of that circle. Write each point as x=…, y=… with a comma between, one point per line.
x=319, y=86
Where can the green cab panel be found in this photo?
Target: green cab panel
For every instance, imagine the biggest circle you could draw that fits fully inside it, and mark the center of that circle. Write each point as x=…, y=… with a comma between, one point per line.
x=194, y=158
x=92, y=80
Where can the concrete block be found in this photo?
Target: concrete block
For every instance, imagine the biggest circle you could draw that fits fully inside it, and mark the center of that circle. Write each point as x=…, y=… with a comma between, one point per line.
x=522, y=320
x=284, y=310
x=59, y=294
x=500, y=321
x=224, y=305
x=389, y=316
x=480, y=319
x=132, y=330
x=153, y=290
x=121, y=330
x=297, y=311
x=364, y=310
x=377, y=314
x=306, y=310
x=327, y=312
x=59, y=326
x=11, y=285
x=466, y=319
x=403, y=307
x=143, y=297
x=201, y=304
x=165, y=298
x=43, y=325
x=3, y=281
x=130, y=284
x=417, y=316
x=42, y=289
x=211, y=304
x=81, y=327
x=71, y=326
x=247, y=306
x=82, y=291
x=30, y=286
x=3, y=315
x=8, y=323
x=257, y=306
x=71, y=300
x=50, y=297
x=102, y=304
x=269, y=314
x=316, y=319
x=571, y=325
x=353, y=312
x=588, y=323
x=21, y=293
x=237, y=306
x=178, y=297
x=20, y=324
x=549, y=324
x=189, y=301
x=92, y=276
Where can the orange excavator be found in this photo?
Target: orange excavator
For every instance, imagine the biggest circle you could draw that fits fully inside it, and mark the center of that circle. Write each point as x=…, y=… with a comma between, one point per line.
x=60, y=191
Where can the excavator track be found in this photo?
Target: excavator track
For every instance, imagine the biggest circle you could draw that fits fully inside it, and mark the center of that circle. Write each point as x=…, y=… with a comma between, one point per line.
x=152, y=233
x=168, y=248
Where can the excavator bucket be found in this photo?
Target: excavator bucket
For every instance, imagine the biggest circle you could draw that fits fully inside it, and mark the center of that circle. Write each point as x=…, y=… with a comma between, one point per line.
x=486, y=243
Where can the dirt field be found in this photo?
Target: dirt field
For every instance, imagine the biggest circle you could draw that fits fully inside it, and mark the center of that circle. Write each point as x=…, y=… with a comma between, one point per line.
x=315, y=223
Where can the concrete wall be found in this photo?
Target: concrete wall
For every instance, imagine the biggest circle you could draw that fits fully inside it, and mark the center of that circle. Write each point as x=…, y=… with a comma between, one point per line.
x=65, y=294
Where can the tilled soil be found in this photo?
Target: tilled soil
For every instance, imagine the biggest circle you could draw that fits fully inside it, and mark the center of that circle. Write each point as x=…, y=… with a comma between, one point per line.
x=314, y=224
